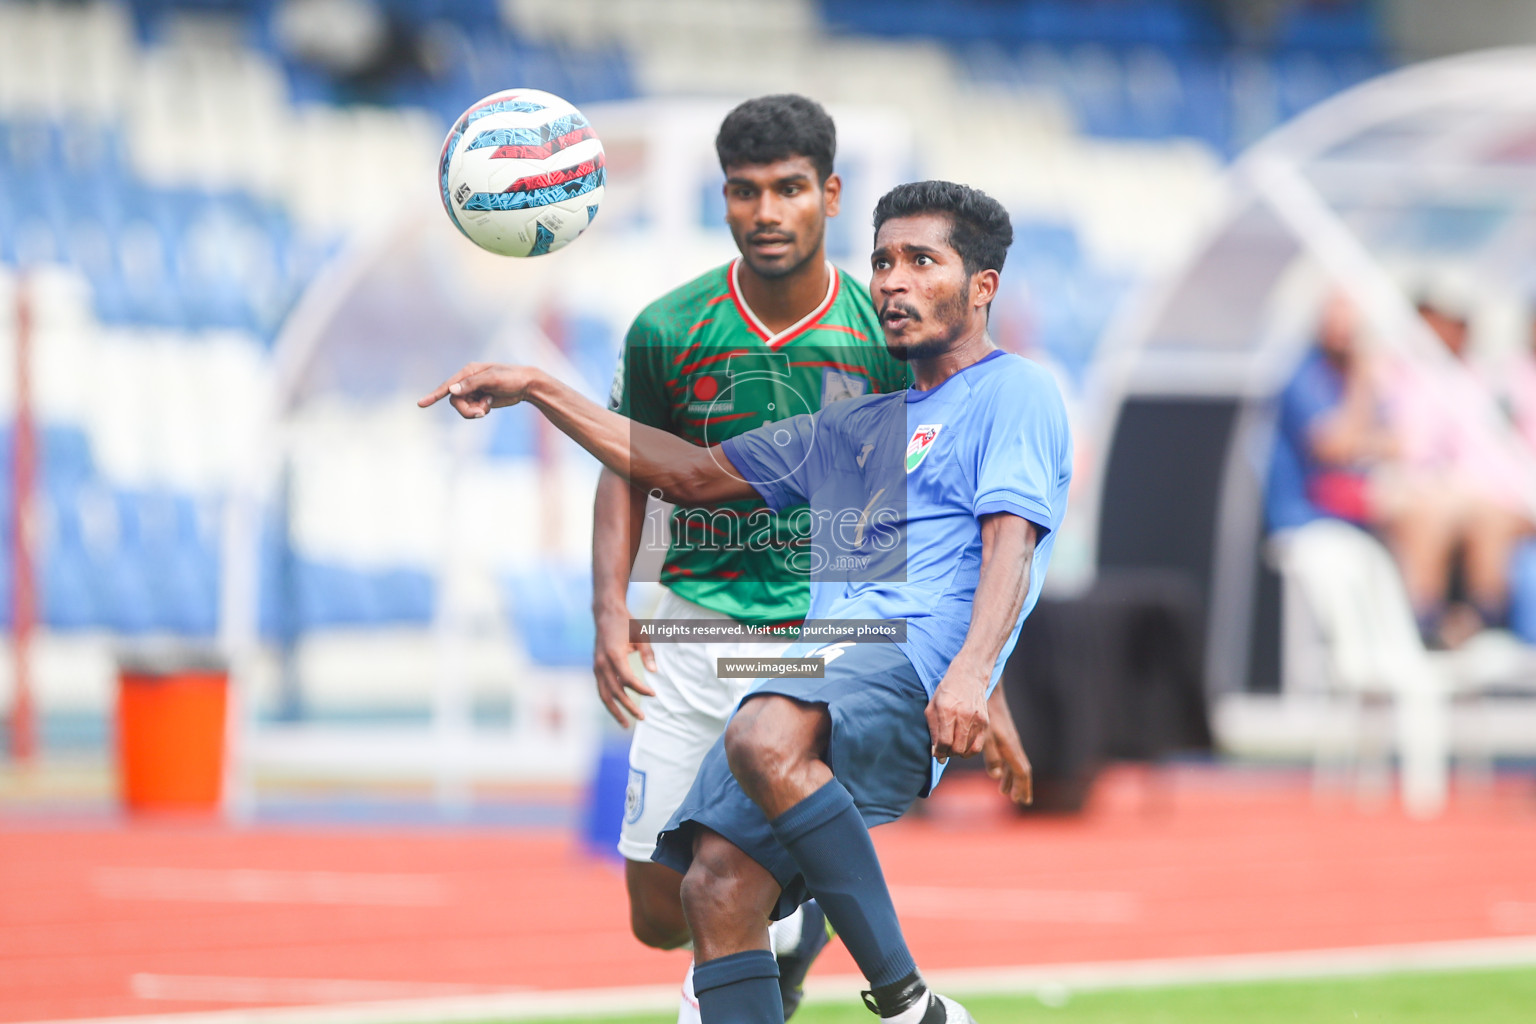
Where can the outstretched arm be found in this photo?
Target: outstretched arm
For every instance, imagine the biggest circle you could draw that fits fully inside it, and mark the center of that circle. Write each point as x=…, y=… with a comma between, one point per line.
x=649, y=458
x=618, y=517
x=957, y=714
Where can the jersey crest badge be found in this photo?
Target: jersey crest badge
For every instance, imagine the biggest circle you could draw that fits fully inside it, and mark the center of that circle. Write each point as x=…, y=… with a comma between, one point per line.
x=922, y=441
x=634, y=796
x=709, y=394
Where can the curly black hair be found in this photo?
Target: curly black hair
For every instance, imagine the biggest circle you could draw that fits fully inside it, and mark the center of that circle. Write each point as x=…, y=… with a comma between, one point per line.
x=771, y=128
x=980, y=230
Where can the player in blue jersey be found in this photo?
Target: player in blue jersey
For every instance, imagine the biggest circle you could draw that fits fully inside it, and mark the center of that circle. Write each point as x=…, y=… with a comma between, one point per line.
x=938, y=506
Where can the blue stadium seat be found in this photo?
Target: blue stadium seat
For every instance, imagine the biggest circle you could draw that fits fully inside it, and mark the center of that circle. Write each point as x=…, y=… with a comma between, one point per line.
x=1335, y=25
x=1037, y=241
x=514, y=434
x=68, y=593
x=68, y=589
x=184, y=591
x=1205, y=84
x=9, y=219
x=66, y=461
x=592, y=344
x=1154, y=95
x=1168, y=23
x=122, y=584
x=1302, y=79
x=1096, y=89
x=329, y=596
x=276, y=564
x=404, y=596
x=551, y=610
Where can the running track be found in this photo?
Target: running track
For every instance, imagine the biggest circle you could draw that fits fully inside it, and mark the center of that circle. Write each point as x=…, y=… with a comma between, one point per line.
x=101, y=918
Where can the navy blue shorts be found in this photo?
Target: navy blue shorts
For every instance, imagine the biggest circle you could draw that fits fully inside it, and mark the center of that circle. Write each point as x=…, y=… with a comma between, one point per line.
x=879, y=749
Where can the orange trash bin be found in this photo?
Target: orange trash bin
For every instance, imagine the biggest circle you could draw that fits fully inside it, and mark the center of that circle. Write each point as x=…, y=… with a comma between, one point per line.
x=171, y=735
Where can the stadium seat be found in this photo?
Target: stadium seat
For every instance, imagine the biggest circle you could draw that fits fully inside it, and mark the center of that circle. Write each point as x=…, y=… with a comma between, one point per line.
x=1154, y=95
x=404, y=596
x=122, y=583
x=186, y=589
x=1350, y=635
x=1339, y=25
x=592, y=344
x=70, y=599
x=1302, y=80
x=66, y=461
x=514, y=435
x=329, y=596
x=550, y=608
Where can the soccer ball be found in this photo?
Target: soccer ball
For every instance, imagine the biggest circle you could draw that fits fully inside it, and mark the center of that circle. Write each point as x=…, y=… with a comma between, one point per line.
x=522, y=173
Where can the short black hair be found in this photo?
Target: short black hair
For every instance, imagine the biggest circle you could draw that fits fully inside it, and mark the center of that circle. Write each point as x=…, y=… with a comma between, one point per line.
x=980, y=230
x=771, y=128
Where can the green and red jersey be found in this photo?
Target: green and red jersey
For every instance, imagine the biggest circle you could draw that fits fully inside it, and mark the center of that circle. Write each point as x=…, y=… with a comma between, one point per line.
x=700, y=364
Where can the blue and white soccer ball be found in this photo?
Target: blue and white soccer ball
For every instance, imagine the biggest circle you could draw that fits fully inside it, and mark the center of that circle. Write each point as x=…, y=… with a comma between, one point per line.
x=522, y=173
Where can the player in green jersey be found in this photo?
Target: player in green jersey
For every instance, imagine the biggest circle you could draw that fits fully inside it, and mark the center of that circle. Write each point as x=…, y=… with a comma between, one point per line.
x=776, y=332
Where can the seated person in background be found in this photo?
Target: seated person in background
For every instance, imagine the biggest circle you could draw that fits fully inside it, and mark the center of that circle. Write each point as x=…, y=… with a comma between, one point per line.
x=1340, y=453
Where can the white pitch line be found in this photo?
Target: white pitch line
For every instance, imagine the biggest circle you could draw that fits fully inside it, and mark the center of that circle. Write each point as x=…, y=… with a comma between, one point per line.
x=252, y=885
x=946, y=903
x=1356, y=961
x=205, y=988
x=1359, y=961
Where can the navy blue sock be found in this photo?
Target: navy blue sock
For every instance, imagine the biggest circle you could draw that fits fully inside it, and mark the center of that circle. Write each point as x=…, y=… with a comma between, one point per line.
x=829, y=841
x=742, y=988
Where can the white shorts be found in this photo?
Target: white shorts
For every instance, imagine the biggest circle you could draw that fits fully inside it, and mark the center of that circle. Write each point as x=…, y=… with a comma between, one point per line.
x=688, y=713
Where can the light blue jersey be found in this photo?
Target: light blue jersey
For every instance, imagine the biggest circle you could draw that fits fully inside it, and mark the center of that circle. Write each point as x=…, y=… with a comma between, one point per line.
x=895, y=486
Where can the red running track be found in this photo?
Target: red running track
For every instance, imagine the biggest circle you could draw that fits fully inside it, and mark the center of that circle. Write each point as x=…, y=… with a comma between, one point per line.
x=105, y=920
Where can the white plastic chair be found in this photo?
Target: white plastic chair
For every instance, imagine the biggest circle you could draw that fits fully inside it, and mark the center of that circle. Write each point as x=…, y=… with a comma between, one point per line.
x=1349, y=633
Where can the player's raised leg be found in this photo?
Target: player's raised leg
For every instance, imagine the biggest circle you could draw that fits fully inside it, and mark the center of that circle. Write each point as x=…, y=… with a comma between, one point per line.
x=776, y=749
x=766, y=801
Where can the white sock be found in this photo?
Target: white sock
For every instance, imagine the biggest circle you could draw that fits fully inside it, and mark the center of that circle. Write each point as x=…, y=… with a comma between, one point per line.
x=784, y=936
x=688, y=1005
x=911, y=1015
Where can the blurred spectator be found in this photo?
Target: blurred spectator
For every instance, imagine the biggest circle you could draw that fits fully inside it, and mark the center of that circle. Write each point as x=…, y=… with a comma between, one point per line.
x=1374, y=441
x=364, y=49
x=1449, y=442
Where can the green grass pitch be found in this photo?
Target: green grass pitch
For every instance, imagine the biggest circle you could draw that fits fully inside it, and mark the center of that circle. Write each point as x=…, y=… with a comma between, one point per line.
x=1502, y=996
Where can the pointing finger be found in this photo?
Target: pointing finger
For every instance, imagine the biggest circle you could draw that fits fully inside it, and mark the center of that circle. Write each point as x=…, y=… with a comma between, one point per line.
x=436, y=395
x=446, y=388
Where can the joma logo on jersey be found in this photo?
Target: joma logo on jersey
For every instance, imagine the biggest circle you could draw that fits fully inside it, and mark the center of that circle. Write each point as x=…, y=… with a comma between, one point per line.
x=922, y=441
x=705, y=391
